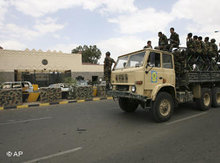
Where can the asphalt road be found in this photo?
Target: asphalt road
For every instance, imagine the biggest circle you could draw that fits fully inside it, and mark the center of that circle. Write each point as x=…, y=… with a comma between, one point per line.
x=98, y=131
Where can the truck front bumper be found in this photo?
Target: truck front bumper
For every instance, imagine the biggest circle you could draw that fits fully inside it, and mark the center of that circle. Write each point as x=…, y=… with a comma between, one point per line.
x=126, y=94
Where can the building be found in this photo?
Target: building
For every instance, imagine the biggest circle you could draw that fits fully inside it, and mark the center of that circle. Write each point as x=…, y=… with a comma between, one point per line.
x=45, y=68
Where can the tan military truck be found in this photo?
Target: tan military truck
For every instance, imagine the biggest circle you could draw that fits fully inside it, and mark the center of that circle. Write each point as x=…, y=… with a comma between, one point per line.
x=148, y=77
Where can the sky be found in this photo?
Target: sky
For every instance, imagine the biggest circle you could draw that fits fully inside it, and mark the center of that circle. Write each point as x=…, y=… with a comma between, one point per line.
x=118, y=26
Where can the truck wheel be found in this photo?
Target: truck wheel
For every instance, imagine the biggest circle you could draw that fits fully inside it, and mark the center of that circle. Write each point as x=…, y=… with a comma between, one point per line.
x=215, y=97
x=128, y=105
x=162, y=108
x=204, y=103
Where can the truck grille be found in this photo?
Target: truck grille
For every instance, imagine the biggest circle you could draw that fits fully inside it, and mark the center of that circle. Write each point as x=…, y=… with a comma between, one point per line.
x=122, y=87
x=122, y=78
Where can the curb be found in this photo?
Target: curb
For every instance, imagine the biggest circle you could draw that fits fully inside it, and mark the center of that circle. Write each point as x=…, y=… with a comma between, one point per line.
x=55, y=103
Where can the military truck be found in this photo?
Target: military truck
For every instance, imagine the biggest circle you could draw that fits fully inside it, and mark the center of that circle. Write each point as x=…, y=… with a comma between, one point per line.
x=148, y=78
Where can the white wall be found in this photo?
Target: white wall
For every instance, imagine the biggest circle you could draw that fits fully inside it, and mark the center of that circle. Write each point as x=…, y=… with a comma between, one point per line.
x=32, y=60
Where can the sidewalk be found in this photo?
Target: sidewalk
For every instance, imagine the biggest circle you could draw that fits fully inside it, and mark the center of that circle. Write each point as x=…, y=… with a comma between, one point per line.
x=62, y=101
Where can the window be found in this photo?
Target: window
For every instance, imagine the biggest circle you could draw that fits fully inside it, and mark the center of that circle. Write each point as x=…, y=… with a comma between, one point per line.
x=16, y=85
x=121, y=62
x=136, y=60
x=154, y=59
x=167, y=61
x=26, y=84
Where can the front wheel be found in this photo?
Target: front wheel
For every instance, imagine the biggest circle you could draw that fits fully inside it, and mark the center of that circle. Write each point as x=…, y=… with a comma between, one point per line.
x=128, y=105
x=162, y=108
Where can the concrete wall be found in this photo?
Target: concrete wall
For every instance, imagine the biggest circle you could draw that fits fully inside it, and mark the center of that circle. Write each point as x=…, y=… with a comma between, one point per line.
x=30, y=61
x=11, y=60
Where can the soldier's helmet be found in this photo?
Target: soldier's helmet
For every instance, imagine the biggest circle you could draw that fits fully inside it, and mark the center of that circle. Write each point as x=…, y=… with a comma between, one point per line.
x=108, y=53
x=189, y=35
x=213, y=40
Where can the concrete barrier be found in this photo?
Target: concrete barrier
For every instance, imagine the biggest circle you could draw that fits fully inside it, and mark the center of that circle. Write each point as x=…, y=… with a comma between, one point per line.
x=50, y=94
x=10, y=97
x=80, y=92
x=101, y=91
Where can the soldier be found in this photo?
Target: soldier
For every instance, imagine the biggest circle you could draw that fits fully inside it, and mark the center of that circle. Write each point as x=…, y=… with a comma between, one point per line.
x=174, y=39
x=163, y=42
x=201, y=46
x=213, y=49
x=190, y=50
x=206, y=45
x=148, y=45
x=107, y=69
x=189, y=43
x=196, y=44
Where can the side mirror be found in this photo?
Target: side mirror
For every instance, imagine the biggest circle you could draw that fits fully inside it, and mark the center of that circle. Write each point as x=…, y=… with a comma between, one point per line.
x=148, y=65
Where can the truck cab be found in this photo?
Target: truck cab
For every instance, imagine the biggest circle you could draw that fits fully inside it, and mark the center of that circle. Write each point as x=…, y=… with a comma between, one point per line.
x=138, y=77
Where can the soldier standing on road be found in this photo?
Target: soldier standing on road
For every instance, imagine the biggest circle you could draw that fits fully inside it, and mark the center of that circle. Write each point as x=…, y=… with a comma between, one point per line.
x=148, y=45
x=107, y=69
x=163, y=42
x=174, y=39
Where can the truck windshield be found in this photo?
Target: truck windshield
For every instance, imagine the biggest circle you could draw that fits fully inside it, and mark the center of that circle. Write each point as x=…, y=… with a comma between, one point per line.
x=135, y=60
x=121, y=62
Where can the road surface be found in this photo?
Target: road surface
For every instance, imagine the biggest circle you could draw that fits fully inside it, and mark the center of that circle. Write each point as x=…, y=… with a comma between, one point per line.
x=98, y=131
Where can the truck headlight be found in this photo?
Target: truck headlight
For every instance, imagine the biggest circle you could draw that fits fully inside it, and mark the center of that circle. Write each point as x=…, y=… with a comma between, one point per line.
x=133, y=89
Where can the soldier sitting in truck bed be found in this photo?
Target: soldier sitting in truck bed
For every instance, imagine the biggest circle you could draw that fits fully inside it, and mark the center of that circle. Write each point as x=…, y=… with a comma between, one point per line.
x=174, y=40
x=163, y=42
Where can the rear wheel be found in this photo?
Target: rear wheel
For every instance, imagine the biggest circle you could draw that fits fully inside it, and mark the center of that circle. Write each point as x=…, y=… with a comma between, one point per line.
x=216, y=97
x=162, y=108
x=128, y=105
x=204, y=103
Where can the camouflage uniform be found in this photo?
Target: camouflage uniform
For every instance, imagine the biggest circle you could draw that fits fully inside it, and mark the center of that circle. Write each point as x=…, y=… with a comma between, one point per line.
x=196, y=46
x=190, y=44
x=174, y=40
x=206, y=47
x=199, y=46
x=213, y=50
x=148, y=46
x=107, y=70
x=163, y=42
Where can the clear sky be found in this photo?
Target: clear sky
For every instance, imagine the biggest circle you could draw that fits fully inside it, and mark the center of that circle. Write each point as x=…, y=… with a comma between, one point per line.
x=118, y=26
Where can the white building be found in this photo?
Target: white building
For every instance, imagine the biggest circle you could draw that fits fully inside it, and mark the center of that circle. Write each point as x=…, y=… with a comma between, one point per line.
x=45, y=67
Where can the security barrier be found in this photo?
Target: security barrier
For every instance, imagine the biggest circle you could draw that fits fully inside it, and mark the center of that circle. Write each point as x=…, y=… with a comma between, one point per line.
x=50, y=94
x=10, y=97
x=14, y=98
x=80, y=92
x=101, y=91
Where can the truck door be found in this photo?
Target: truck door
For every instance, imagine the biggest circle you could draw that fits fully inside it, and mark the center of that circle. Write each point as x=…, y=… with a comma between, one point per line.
x=153, y=72
x=168, y=68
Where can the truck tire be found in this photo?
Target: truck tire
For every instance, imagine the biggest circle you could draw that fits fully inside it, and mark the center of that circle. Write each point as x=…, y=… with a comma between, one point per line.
x=205, y=102
x=162, y=108
x=216, y=97
x=128, y=105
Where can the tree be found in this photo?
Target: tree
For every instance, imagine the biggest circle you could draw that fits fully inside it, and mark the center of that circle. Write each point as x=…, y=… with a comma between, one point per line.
x=90, y=54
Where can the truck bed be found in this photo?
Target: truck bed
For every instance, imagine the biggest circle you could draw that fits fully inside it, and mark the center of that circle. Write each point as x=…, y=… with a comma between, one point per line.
x=199, y=77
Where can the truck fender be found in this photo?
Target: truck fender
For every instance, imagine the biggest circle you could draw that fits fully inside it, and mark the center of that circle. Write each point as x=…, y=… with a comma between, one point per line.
x=159, y=87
